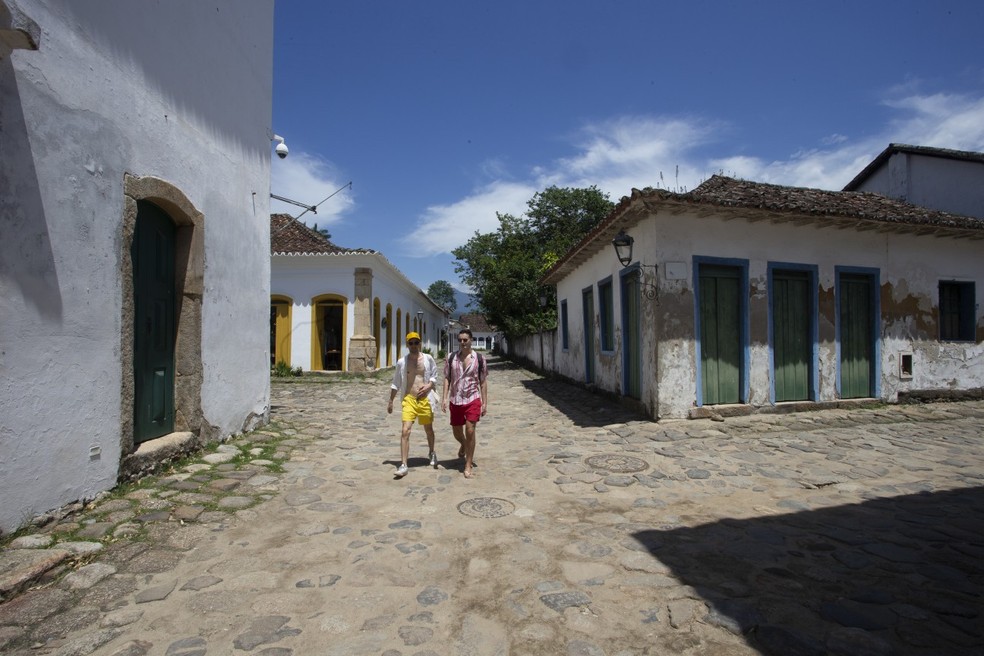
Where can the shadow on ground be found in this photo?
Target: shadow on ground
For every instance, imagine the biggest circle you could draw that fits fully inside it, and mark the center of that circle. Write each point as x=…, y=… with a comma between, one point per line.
x=583, y=407
x=902, y=575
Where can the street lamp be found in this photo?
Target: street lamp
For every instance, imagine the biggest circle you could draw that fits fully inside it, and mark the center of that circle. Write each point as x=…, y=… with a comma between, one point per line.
x=623, y=247
x=648, y=285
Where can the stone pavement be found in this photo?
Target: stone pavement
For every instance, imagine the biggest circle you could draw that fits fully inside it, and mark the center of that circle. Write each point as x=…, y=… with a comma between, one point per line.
x=586, y=531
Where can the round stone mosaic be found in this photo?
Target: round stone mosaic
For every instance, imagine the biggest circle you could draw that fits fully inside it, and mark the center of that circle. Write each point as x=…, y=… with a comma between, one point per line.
x=616, y=463
x=486, y=507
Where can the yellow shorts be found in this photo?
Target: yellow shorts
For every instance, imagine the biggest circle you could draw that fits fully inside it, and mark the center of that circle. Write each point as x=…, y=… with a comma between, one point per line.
x=419, y=409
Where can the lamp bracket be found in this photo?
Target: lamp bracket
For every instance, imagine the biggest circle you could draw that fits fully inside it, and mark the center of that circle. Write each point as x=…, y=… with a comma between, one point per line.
x=648, y=276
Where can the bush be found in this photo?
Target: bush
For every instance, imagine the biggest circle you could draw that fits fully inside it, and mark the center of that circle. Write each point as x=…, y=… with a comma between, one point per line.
x=283, y=370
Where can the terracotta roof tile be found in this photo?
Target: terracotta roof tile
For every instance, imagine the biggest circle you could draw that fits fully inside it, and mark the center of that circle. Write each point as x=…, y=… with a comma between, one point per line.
x=721, y=195
x=728, y=192
x=477, y=323
x=289, y=236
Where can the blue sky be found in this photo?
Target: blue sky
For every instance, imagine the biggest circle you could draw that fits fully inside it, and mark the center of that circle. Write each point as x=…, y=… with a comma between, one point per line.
x=443, y=113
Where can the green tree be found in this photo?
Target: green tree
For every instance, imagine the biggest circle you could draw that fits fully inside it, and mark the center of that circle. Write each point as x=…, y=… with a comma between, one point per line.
x=504, y=267
x=442, y=293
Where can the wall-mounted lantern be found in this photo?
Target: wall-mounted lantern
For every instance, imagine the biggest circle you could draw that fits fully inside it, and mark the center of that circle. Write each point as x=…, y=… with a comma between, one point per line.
x=648, y=284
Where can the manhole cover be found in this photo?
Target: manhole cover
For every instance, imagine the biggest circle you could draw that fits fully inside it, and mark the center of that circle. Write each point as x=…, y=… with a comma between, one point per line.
x=616, y=463
x=486, y=507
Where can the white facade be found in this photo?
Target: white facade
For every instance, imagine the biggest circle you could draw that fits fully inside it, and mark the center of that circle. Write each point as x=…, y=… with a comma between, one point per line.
x=673, y=242
x=113, y=103
x=947, y=180
x=394, y=307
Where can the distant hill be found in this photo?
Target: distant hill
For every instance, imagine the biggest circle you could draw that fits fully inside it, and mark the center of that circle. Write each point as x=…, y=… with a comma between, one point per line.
x=466, y=302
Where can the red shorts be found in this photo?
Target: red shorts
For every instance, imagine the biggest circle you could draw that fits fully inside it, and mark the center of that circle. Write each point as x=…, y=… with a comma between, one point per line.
x=470, y=412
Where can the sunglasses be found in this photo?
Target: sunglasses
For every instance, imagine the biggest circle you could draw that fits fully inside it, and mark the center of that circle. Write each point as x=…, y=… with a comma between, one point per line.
x=413, y=342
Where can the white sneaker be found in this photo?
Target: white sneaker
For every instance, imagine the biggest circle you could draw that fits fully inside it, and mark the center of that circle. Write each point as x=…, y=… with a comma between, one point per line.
x=402, y=470
x=433, y=459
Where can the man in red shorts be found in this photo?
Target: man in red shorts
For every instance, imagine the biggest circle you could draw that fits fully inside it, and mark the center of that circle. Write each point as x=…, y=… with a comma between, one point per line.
x=464, y=387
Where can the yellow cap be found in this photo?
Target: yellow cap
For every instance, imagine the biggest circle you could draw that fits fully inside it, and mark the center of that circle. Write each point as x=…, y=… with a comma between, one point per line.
x=412, y=336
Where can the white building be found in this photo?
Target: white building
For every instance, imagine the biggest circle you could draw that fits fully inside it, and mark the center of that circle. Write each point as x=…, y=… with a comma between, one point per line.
x=484, y=336
x=938, y=178
x=742, y=296
x=341, y=309
x=134, y=261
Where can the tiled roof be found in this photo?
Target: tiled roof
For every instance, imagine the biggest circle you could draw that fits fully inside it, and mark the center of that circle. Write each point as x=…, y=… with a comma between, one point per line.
x=476, y=322
x=928, y=151
x=289, y=236
x=728, y=192
x=756, y=201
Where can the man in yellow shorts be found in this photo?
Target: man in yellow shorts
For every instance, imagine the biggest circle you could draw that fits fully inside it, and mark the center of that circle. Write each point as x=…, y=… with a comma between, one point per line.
x=415, y=380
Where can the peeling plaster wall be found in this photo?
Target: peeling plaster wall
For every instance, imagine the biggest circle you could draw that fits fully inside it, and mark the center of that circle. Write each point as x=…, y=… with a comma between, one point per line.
x=910, y=269
x=177, y=91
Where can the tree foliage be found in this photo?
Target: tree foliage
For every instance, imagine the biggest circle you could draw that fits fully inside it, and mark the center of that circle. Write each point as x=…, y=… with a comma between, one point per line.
x=442, y=293
x=504, y=267
x=323, y=231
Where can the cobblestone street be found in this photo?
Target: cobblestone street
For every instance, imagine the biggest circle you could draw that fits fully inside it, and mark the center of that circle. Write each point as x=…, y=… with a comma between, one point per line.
x=587, y=530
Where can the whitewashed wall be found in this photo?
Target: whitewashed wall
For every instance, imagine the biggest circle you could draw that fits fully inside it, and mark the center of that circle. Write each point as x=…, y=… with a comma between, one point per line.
x=175, y=90
x=910, y=269
x=951, y=185
x=304, y=277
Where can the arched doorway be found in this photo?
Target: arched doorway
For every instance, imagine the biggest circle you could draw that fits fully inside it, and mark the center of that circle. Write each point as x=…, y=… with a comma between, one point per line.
x=152, y=255
x=389, y=335
x=328, y=333
x=376, y=330
x=144, y=198
x=280, y=329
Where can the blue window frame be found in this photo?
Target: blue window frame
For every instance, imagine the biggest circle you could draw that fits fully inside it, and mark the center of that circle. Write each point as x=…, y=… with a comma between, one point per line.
x=606, y=302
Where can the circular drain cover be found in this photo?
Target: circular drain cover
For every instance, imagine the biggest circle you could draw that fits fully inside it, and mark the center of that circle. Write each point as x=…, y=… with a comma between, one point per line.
x=616, y=463
x=486, y=507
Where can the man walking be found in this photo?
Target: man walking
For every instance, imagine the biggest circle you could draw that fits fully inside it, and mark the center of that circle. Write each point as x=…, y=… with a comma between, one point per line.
x=415, y=379
x=465, y=373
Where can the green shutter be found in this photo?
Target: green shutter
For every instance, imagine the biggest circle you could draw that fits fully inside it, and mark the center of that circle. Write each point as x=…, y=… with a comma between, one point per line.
x=856, y=336
x=720, y=334
x=792, y=347
x=587, y=299
x=631, y=347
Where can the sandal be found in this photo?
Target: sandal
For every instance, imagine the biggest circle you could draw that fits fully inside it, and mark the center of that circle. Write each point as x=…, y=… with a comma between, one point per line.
x=468, y=473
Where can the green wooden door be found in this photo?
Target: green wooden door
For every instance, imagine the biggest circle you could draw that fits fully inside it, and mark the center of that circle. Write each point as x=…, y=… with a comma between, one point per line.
x=152, y=254
x=631, y=346
x=720, y=334
x=792, y=345
x=856, y=336
x=587, y=301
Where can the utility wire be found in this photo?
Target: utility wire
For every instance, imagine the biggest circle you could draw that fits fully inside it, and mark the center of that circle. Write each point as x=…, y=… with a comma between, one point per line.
x=308, y=209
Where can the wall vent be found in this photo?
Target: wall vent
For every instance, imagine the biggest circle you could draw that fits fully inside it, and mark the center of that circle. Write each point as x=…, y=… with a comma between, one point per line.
x=905, y=365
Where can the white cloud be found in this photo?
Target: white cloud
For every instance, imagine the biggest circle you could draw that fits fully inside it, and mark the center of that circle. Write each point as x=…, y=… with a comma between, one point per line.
x=448, y=226
x=309, y=180
x=670, y=153
x=939, y=121
x=615, y=156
